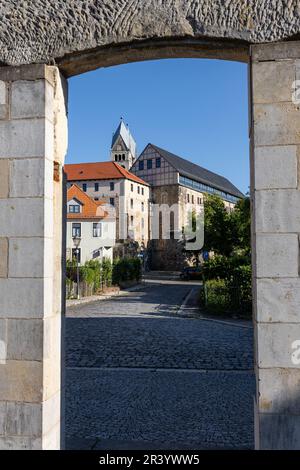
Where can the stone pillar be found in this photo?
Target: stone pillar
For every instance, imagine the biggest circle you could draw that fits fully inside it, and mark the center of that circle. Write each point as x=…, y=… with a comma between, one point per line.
x=275, y=137
x=32, y=148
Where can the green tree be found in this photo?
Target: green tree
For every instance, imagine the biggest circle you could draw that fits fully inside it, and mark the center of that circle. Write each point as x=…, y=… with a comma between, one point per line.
x=240, y=220
x=218, y=236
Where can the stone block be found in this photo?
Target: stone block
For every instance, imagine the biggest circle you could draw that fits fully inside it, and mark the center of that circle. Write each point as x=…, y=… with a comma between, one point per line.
x=25, y=298
x=279, y=391
x=24, y=419
x=32, y=177
x=25, y=340
x=278, y=300
x=32, y=99
x=279, y=432
x=3, y=257
x=272, y=81
x=21, y=381
x=4, y=179
x=27, y=72
x=277, y=211
x=276, y=124
x=275, y=342
x=276, y=167
x=23, y=138
x=277, y=255
x=30, y=257
x=275, y=51
x=20, y=443
x=22, y=217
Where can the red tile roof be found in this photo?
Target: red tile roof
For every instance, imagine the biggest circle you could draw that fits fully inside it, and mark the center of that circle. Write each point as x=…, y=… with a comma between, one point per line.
x=99, y=171
x=90, y=209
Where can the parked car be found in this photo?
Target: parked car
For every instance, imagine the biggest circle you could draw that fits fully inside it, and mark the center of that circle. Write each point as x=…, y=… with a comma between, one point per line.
x=191, y=272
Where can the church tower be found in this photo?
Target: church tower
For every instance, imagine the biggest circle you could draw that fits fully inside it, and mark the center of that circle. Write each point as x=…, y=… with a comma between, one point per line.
x=123, y=147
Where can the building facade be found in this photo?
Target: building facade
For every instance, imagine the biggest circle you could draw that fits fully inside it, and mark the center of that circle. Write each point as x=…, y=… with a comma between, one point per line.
x=91, y=222
x=182, y=184
x=126, y=194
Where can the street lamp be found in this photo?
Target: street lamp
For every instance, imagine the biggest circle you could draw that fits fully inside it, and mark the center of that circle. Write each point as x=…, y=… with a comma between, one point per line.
x=76, y=241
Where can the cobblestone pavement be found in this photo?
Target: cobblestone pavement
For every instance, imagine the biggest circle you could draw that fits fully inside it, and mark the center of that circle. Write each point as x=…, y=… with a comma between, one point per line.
x=141, y=376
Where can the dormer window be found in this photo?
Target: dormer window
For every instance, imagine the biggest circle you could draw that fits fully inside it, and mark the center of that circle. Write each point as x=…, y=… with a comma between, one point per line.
x=74, y=208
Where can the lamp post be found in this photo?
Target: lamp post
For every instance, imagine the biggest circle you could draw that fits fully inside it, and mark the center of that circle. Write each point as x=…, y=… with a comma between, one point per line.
x=76, y=241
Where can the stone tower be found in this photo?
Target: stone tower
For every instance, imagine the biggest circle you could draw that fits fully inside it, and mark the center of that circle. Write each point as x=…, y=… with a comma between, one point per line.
x=123, y=147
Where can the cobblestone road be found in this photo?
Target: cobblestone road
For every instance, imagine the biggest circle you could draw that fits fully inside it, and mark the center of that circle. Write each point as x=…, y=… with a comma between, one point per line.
x=141, y=376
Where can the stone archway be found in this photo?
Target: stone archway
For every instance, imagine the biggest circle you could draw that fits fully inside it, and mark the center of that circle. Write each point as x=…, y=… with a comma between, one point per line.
x=71, y=38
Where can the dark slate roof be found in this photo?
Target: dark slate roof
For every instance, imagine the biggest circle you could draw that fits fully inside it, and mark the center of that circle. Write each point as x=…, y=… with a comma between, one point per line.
x=128, y=140
x=197, y=173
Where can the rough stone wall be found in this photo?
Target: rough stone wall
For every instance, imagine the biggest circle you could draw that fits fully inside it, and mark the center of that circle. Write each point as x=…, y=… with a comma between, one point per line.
x=166, y=255
x=44, y=30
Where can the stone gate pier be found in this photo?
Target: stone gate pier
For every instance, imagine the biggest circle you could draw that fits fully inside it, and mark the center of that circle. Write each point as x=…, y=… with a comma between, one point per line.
x=33, y=141
x=275, y=191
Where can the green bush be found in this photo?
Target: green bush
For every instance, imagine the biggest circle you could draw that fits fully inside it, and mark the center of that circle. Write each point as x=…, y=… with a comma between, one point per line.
x=222, y=267
x=227, y=285
x=126, y=269
x=217, y=296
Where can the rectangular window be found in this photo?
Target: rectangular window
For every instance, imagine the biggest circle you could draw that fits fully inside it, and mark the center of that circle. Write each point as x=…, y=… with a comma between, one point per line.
x=74, y=209
x=112, y=186
x=132, y=187
x=143, y=207
x=76, y=230
x=112, y=201
x=138, y=190
x=76, y=252
x=143, y=191
x=141, y=165
x=192, y=198
x=149, y=164
x=188, y=198
x=84, y=187
x=131, y=221
x=97, y=230
x=96, y=187
x=158, y=162
x=131, y=203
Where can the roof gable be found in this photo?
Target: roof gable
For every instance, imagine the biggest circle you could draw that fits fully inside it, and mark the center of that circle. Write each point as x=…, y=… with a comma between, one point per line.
x=90, y=209
x=198, y=173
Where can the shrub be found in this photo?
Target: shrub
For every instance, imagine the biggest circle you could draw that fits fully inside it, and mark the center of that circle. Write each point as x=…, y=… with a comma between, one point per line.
x=106, y=271
x=126, y=269
x=227, y=285
x=217, y=295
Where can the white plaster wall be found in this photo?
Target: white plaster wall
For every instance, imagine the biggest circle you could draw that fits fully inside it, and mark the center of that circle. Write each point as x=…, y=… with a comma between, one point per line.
x=90, y=244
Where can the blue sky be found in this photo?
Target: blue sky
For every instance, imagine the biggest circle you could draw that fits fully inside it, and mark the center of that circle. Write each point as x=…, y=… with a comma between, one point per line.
x=197, y=109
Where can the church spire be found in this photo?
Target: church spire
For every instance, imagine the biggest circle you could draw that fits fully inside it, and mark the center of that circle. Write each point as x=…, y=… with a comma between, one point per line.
x=123, y=146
